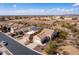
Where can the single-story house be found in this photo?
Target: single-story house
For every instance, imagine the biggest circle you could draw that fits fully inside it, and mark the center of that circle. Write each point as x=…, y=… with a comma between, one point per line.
x=43, y=36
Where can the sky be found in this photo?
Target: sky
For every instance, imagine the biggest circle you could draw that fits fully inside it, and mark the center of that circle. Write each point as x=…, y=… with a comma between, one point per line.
x=38, y=8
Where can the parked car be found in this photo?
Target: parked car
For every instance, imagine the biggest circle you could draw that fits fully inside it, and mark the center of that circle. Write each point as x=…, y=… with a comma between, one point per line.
x=4, y=43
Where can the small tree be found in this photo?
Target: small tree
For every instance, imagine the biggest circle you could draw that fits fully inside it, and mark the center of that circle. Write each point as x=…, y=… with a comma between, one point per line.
x=5, y=29
x=30, y=39
x=51, y=48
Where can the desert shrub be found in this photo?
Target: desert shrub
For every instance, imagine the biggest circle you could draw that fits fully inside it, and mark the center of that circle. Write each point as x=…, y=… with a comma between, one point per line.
x=21, y=33
x=67, y=25
x=50, y=48
x=63, y=35
x=5, y=29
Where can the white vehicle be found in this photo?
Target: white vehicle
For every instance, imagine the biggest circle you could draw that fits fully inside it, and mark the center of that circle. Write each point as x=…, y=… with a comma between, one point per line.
x=4, y=43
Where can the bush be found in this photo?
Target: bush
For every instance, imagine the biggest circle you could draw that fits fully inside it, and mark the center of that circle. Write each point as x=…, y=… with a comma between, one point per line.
x=5, y=29
x=72, y=27
x=63, y=35
x=13, y=35
x=21, y=33
x=51, y=48
x=74, y=30
x=67, y=25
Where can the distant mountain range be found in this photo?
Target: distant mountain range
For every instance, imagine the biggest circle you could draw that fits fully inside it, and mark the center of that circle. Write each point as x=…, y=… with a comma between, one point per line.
x=70, y=14
x=45, y=15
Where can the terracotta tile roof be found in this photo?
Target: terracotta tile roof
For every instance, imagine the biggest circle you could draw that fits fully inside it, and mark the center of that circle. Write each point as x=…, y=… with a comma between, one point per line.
x=44, y=32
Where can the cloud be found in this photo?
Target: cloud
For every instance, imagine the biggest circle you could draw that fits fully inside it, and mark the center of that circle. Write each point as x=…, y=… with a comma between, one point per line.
x=63, y=11
x=14, y=5
x=76, y=4
x=52, y=11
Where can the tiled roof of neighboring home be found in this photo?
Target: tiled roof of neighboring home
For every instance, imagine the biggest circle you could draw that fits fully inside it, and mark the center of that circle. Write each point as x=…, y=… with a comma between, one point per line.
x=44, y=32
x=24, y=28
x=16, y=25
x=20, y=25
x=10, y=23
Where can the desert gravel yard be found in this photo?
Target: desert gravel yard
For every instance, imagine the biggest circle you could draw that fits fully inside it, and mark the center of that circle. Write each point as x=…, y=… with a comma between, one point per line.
x=69, y=50
x=32, y=45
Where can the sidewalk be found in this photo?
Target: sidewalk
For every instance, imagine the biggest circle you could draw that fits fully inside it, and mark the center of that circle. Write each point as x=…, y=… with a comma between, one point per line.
x=5, y=51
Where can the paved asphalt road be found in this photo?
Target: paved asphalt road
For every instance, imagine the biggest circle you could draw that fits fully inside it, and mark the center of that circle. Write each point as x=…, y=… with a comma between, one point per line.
x=15, y=47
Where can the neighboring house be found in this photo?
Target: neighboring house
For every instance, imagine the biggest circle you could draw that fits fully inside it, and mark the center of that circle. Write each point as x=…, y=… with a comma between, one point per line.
x=29, y=35
x=43, y=36
x=24, y=29
x=15, y=27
